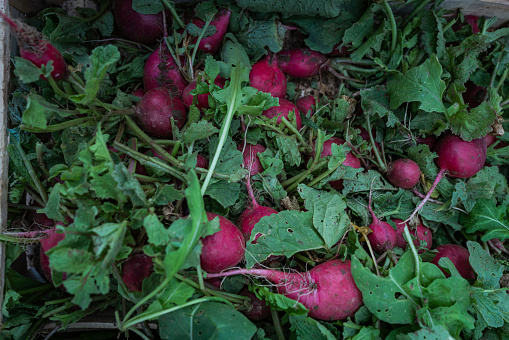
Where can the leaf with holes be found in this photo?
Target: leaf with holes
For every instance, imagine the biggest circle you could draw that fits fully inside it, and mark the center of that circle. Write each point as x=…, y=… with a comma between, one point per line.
x=386, y=297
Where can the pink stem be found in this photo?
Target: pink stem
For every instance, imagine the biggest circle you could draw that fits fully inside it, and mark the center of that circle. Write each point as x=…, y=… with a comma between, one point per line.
x=257, y=272
x=250, y=191
x=165, y=29
x=375, y=219
x=9, y=21
x=428, y=195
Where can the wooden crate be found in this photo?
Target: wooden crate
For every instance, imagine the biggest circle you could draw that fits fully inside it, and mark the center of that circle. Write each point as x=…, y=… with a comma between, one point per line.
x=18, y=8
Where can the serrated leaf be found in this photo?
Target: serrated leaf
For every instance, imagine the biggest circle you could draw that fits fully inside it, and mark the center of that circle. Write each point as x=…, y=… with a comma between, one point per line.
x=279, y=301
x=375, y=100
x=488, y=269
x=262, y=35
x=129, y=185
x=329, y=216
x=322, y=8
x=224, y=192
x=166, y=194
x=200, y=130
x=285, y=233
x=289, y=147
x=489, y=218
x=419, y=84
x=25, y=70
x=308, y=328
x=156, y=232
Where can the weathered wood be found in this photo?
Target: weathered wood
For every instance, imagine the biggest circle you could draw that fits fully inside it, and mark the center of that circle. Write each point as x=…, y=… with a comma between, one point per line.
x=488, y=8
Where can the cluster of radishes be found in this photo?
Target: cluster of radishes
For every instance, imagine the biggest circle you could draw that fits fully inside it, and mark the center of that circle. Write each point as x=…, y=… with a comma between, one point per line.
x=328, y=290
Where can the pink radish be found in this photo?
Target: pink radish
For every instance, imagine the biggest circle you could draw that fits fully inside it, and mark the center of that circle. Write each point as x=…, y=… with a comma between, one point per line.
x=35, y=48
x=154, y=110
x=459, y=256
x=223, y=249
x=250, y=157
x=403, y=173
x=300, y=63
x=472, y=21
x=135, y=270
x=266, y=76
x=457, y=158
x=428, y=140
x=339, y=52
x=202, y=99
x=328, y=290
x=490, y=140
x=382, y=236
x=142, y=28
x=306, y=104
x=211, y=44
x=162, y=71
x=201, y=162
x=253, y=214
x=350, y=160
x=423, y=234
x=51, y=240
x=258, y=309
x=283, y=110
x=139, y=92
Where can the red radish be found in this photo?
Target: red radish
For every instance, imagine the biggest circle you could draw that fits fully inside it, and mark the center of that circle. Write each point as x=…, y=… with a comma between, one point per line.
x=253, y=214
x=350, y=160
x=135, y=270
x=162, y=71
x=258, y=309
x=328, y=290
x=154, y=110
x=339, y=52
x=283, y=110
x=473, y=95
x=383, y=236
x=211, y=44
x=139, y=92
x=34, y=47
x=457, y=158
x=472, y=21
x=300, y=63
x=201, y=162
x=266, y=76
x=250, y=157
x=216, y=282
x=203, y=99
x=403, y=173
x=490, y=140
x=423, y=234
x=459, y=256
x=51, y=240
x=223, y=249
x=428, y=140
x=306, y=104
x=142, y=28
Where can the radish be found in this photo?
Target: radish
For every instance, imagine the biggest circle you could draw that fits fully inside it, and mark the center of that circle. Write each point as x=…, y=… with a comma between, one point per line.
x=283, y=110
x=472, y=21
x=258, y=309
x=250, y=157
x=459, y=256
x=474, y=95
x=457, y=158
x=252, y=214
x=339, y=52
x=306, y=104
x=51, y=240
x=266, y=76
x=403, y=173
x=135, y=270
x=162, y=71
x=139, y=92
x=423, y=234
x=202, y=99
x=223, y=249
x=383, y=236
x=300, y=63
x=34, y=47
x=350, y=160
x=428, y=140
x=211, y=44
x=141, y=28
x=490, y=140
x=201, y=162
x=154, y=110
x=328, y=290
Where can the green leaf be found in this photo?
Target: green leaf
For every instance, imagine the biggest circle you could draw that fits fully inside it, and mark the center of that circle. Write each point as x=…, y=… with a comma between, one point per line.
x=166, y=194
x=322, y=8
x=367, y=333
x=308, y=328
x=329, y=216
x=156, y=232
x=375, y=100
x=379, y=293
x=102, y=58
x=437, y=332
x=224, y=192
x=279, y=301
x=148, y=6
x=432, y=34
x=262, y=35
x=176, y=293
x=52, y=209
x=207, y=320
x=365, y=26
x=38, y=111
x=421, y=84
x=488, y=269
x=230, y=161
x=489, y=218
x=373, y=44
x=109, y=235
x=289, y=147
x=285, y=233
x=196, y=131
x=488, y=183
x=25, y=70
x=233, y=54
x=129, y=185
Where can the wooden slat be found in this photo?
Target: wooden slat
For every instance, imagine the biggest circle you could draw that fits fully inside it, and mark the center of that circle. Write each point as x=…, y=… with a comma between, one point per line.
x=4, y=158
x=487, y=8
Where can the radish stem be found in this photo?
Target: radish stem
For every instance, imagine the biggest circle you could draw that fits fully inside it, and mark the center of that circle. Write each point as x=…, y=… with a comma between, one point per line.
x=428, y=195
